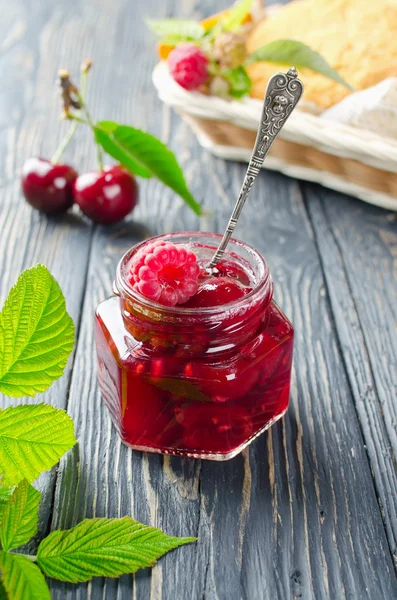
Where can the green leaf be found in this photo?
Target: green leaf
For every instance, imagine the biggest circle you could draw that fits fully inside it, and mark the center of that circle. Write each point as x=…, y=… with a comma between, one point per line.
x=297, y=54
x=21, y=579
x=183, y=29
x=236, y=15
x=103, y=136
x=36, y=334
x=5, y=493
x=32, y=440
x=239, y=81
x=20, y=516
x=103, y=547
x=142, y=148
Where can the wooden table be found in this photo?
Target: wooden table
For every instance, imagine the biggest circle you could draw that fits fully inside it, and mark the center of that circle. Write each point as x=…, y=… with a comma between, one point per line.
x=310, y=509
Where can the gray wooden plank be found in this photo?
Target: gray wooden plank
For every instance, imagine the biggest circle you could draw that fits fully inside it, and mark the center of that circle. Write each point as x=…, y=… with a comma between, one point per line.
x=358, y=249
x=297, y=514
x=29, y=115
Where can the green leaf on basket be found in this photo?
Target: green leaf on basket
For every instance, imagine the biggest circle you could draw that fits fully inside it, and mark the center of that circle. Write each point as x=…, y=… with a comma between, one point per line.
x=182, y=29
x=20, y=516
x=133, y=147
x=239, y=81
x=32, y=440
x=21, y=579
x=103, y=547
x=236, y=15
x=297, y=54
x=36, y=334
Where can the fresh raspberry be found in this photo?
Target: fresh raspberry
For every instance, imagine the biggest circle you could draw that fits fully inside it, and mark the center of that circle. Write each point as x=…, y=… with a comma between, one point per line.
x=188, y=66
x=165, y=272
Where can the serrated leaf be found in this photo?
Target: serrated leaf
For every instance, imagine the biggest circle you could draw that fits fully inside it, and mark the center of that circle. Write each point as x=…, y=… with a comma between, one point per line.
x=103, y=547
x=112, y=147
x=182, y=29
x=236, y=15
x=32, y=440
x=20, y=516
x=297, y=54
x=22, y=579
x=5, y=493
x=149, y=152
x=36, y=334
x=239, y=81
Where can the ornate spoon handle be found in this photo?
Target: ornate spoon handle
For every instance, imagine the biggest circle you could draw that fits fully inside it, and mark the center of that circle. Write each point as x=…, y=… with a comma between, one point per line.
x=282, y=95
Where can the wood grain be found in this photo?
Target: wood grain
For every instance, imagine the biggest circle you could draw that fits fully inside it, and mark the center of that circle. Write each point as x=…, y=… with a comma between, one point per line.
x=358, y=252
x=308, y=511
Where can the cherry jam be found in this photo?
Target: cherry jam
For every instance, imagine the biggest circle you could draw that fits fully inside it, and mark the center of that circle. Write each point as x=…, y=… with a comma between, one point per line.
x=204, y=378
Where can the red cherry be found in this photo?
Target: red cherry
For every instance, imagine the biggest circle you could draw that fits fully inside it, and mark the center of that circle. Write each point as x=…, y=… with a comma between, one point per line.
x=147, y=414
x=48, y=187
x=215, y=428
x=222, y=384
x=107, y=196
x=216, y=291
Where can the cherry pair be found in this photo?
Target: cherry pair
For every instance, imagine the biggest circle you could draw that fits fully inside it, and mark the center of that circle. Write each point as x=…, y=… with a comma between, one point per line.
x=105, y=196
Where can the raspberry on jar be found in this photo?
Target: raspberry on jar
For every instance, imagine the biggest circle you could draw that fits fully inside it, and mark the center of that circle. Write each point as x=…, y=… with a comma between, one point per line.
x=165, y=273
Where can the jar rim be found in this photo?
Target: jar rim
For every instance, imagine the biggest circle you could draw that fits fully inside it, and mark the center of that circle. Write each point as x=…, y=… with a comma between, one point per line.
x=263, y=285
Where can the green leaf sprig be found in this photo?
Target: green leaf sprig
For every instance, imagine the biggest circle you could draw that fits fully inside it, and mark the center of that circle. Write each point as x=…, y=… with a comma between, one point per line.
x=292, y=52
x=36, y=338
x=174, y=31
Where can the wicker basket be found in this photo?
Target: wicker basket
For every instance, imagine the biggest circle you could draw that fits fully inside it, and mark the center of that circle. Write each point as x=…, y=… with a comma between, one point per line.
x=339, y=157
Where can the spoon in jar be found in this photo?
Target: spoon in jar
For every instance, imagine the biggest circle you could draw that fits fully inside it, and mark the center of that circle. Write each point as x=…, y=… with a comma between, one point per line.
x=283, y=93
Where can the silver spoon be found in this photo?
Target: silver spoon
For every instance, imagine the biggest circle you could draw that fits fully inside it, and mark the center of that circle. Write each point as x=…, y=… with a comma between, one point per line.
x=283, y=93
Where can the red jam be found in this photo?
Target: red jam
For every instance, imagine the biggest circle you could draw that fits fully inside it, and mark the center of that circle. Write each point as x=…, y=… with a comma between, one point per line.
x=203, y=378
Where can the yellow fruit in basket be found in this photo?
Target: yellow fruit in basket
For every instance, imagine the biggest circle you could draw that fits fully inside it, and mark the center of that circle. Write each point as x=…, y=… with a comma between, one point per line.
x=164, y=50
x=358, y=38
x=213, y=20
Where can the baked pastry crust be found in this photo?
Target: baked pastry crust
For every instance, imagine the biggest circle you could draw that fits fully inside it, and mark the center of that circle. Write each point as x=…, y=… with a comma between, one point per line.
x=358, y=38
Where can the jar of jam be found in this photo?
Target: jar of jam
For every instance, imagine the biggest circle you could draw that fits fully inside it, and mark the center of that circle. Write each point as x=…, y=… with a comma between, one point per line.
x=203, y=378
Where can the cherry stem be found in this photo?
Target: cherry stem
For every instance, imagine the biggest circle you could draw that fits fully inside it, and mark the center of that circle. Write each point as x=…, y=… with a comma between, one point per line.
x=65, y=142
x=72, y=129
x=89, y=121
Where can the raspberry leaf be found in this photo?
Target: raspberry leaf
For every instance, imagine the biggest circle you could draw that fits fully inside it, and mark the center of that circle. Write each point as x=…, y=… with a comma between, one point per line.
x=32, y=439
x=124, y=143
x=5, y=493
x=239, y=81
x=36, y=334
x=21, y=579
x=20, y=516
x=103, y=547
x=182, y=30
x=292, y=52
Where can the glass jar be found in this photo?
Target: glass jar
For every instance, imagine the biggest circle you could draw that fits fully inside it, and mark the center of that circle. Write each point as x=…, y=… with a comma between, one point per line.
x=194, y=382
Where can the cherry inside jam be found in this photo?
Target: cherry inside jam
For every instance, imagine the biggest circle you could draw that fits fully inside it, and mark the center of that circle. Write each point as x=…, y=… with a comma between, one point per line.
x=196, y=380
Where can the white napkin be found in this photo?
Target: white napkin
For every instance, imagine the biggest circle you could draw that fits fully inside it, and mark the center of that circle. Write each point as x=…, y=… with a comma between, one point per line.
x=374, y=109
